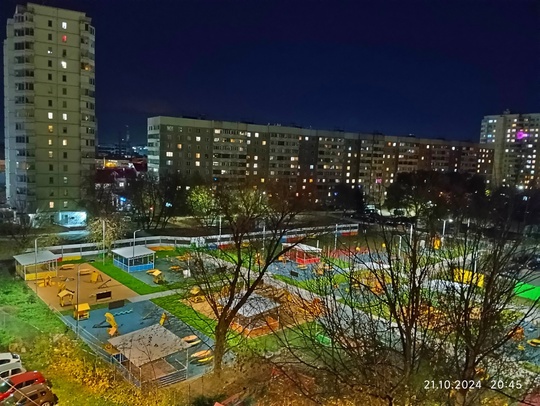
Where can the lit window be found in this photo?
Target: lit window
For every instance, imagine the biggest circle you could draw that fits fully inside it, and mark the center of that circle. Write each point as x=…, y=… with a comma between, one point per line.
x=65, y=204
x=50, y=154
x=197, y=163
x=264, y=142
x=49, y=51
x=50, y=128
x=64, y=25
x=65, y=179
x=63, y=64
x=51, y=205
x=169, y=154
x=64, y=142
x=64, y=38
x=64, y=116
x=179, y=146
x=197, y=139
x=262, y=180
x=50, y=115
x=197, y=155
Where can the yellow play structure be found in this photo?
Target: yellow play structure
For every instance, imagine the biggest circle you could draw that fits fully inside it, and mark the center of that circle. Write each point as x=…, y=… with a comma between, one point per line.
x=196, y=295
x=157, y=275
x=468, y=277
x=113, y=330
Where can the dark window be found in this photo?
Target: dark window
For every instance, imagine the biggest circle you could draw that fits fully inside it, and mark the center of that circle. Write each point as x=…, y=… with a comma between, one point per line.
x=51, y=167
x=65, y=155
x=64, y=78
x=64, y=90
x=50, y=23
x=50, y=103
x=49, y=37
x=49, y=76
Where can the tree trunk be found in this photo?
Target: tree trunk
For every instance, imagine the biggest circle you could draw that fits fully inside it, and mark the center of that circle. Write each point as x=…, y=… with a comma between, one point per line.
x=219, y=346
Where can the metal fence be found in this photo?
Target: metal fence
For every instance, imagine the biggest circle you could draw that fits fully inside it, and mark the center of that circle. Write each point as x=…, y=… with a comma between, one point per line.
x=88, y=249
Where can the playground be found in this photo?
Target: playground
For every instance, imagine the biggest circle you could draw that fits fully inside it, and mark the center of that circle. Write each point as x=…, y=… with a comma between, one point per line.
x=60, y=292
x=147, y=341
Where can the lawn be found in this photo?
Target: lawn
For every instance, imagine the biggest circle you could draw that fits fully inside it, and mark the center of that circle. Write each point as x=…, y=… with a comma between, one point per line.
x=187, y=314
x=126, y=279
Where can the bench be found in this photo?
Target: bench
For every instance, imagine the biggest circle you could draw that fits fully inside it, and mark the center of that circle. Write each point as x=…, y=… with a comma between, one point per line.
x=85, y=271
x=67, y=267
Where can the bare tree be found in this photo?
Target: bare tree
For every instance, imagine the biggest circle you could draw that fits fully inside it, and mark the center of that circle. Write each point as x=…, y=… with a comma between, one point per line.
x=408, y=310
x=241, y=266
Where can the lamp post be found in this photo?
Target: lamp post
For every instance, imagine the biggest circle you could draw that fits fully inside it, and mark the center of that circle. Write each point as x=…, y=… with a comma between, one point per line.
x=77, y=300
x=219, y=235
x=444, y=226
x=104, y=249
x=35, y=262
x=134, y=234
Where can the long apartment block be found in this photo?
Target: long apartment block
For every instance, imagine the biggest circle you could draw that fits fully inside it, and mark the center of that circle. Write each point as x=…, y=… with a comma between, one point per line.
x=316, y=163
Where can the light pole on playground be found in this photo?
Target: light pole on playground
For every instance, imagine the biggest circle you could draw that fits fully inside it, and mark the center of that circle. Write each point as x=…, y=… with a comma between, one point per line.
x=134, y=234
x=35, y=262
x=444, y=228
x=104, y=249
x=335, y=238
x=77, y=300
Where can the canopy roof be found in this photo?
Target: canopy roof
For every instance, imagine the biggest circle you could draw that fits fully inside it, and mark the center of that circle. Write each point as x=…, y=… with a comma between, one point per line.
x=255, y=305
x=303, y=247
x=148, y=344
x=32, y=258
x=129, y=252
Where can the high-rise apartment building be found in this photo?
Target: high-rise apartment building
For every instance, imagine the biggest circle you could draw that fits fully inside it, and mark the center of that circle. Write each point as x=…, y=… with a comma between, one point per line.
x=515, y=143
x=49, y=110
x=315, y=163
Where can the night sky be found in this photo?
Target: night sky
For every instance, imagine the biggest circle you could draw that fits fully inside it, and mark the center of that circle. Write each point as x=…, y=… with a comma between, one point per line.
x=431, y=68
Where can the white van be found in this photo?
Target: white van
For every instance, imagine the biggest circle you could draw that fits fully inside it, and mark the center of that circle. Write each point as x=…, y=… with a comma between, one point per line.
x=10, y=364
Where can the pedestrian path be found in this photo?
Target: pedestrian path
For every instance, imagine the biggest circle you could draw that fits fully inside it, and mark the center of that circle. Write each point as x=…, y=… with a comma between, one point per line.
x=151, y=296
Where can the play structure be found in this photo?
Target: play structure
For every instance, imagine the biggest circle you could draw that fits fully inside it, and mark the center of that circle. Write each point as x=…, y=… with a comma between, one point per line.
x=303, y=254
x=81, y=311
x=134, y=259
x=258, y=316
x=157, y=276
x=66, y=297
x=110, y=324
x=196, y=295
x=36, y=265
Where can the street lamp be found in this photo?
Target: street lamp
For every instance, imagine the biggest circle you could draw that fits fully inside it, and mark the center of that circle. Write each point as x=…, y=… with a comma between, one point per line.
x=77, y=300
x=444, y=226
x=35, y=262
x=134, y=234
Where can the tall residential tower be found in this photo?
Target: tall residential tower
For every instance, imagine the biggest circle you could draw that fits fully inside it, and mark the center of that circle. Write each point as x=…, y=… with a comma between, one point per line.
x=49, y=110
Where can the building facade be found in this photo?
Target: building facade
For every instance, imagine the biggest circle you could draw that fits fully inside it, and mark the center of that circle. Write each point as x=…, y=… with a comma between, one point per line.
x=49, y=110
x=317, y=164
x=515, y=144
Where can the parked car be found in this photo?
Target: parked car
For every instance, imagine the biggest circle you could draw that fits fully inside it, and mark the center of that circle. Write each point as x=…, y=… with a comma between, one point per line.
x=37, y=394
x=19, y=381
x=10, y=364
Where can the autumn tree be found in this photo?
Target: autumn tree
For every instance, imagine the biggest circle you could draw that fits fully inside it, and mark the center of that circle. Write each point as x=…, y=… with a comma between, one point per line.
x=107, y=230
x=203, y=205
x=229, y=276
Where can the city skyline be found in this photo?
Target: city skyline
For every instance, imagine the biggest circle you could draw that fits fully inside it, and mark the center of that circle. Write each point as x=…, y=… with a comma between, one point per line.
x=432, y=71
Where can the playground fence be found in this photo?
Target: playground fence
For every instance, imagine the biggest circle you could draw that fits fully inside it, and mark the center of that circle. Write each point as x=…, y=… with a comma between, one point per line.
x=77, y=251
